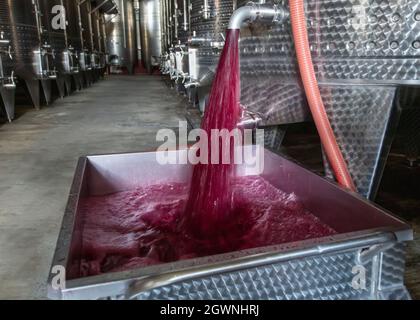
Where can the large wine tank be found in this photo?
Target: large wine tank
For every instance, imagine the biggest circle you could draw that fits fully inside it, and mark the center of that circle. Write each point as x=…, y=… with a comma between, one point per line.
x=121, y=36
x=31, y=52
x=7, y=67
x=86, y=33
x=53, y=34
x=74, y=39
x=364, y=53
x=167, y=8
x=151, y=32
x=54, y=37
x=104, y=45
x=96, y=41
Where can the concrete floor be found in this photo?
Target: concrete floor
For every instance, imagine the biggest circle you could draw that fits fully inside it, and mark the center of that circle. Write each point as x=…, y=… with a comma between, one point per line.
x=38, y=156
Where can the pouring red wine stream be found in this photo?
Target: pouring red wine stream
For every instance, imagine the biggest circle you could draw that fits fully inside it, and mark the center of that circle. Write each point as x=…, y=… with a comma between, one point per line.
x=210, y=200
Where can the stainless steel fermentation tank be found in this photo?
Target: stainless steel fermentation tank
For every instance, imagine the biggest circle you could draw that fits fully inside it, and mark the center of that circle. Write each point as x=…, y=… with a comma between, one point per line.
x=7, y=68
x=25, y=51
x=54, y=37
x=89, y=57
x=74, y=43
x=96, y=35
x=85, y=29
x=363, y=53
x=98, y=45
x=122, y=37
x=368, y=239
x=153, y=31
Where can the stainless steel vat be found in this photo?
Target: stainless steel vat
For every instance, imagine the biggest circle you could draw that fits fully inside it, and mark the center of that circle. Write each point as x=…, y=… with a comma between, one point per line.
x=74, y=40
x=166, y=16
x=151, y=33
x=96, y=53
x=104, y=43
x=86, y=32
x=363, y=52
x=369, y=239
x=121, y=33
x=54, y=37
x=7, y=67
x=31, y=52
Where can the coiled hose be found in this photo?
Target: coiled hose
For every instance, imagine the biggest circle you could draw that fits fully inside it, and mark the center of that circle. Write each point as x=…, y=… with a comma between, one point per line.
x=313, y=95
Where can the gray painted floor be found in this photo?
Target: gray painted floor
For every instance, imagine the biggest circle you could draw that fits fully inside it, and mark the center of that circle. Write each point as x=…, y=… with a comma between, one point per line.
x=38, y=156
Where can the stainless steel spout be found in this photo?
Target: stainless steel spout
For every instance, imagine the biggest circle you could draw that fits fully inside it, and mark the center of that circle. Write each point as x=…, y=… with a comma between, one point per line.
x=257, y=12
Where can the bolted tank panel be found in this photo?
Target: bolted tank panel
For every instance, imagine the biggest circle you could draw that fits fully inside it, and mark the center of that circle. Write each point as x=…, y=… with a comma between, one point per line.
x=151, y=32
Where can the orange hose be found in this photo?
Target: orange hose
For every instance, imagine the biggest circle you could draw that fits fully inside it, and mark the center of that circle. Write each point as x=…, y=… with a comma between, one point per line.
x=310, y=83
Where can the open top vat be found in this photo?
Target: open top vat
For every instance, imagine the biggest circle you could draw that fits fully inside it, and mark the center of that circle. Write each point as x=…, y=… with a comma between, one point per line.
x=365, y=260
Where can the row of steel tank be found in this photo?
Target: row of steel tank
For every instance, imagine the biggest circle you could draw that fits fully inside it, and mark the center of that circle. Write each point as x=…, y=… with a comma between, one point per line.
x=184, y=38
x=46, y=44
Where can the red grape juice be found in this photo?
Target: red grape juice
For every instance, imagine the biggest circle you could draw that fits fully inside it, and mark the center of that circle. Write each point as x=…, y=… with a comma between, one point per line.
x=142, y=227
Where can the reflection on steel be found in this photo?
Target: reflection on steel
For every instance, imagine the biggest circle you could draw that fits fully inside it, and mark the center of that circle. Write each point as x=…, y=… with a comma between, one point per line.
x=121, y=33
x=312, y=269
x=363, y=119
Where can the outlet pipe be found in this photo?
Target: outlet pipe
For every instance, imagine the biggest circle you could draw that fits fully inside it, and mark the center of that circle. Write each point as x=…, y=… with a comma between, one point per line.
x=252, y=12
x=273, y=14
x=313, y=95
